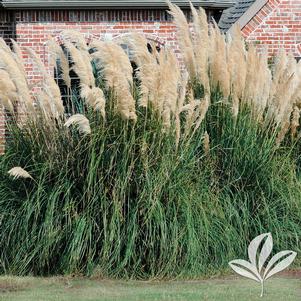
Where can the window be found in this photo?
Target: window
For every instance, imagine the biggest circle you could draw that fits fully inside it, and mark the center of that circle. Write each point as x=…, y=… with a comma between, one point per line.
x=214, y=14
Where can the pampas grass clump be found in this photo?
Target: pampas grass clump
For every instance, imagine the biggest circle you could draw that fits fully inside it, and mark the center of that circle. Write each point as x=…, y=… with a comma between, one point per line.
x=159, y=170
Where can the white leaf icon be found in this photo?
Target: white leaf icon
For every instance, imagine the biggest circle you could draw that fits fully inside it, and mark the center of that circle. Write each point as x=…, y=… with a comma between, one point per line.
x=253, y=269
x=249, y=271
x=289, y=257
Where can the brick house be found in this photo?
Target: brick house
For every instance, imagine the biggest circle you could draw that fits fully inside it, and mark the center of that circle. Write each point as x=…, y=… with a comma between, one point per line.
x=272, y=24
x=31, y=23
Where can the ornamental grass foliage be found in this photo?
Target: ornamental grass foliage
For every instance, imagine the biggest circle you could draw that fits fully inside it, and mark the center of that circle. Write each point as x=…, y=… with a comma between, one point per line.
x=156, y=170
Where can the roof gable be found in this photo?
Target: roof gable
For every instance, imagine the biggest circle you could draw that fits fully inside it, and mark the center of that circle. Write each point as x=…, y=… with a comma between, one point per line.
x=231, y=15
x=241, y=13
x=112, y=3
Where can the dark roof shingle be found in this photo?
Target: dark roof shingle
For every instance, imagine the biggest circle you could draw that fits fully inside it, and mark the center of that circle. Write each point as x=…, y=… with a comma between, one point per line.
x=231, y=15
x=111, y=3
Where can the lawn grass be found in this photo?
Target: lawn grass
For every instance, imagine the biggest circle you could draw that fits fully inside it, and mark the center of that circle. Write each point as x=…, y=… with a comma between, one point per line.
x=76, y=289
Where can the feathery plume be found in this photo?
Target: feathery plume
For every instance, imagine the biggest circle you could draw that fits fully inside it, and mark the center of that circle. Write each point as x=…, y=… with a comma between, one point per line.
x=237, y=67
x=18, y=56
x=95, y=98
x=57, y=53
x=8, y=91
x=78, y=41
x=81, y=65
x=206, y=143
x=76, y=38
x=184, y=38
x=180, y=104
x=264, y=80
x=278, y=71
x=4, y=46
x=201, y=45
x=44, y=105
x=295, y=122
x=203, y=109
x=192, y=112
x=220, y=76
x=252, y=75
x=148, y=69
x=49, y=83
x=281, y=135
x=117, y=72
x=19, y=172
x=168, y=85
x=8, y=63
x=81, y=122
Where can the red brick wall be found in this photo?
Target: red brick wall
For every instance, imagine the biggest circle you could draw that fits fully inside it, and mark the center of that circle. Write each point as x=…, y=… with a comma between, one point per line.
x=33, y=28
x=277, y=25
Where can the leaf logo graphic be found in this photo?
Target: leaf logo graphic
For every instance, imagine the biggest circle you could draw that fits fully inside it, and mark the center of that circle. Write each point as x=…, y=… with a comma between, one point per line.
x=258, y=268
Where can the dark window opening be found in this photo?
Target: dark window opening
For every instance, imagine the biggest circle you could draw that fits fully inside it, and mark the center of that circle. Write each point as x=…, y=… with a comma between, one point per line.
x=214, y=14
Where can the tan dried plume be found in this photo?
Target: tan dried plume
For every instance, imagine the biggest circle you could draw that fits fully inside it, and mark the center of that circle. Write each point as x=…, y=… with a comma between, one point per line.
x=237, y=67
x=148, y=68
x=80, y=55
x=281, y=101
x=297, y=91
x=206, y=143
x=202, y=111
x=160, y=77
x=18, y=56
x=117, y=51
x=279, y=71
x=95, y=98
x=168, y=83
x=295, y=122
x=184, y=38
x=81, y=122
x=192, y=112
x=219, y=72
x=264, y=79
x=57, y=53
x=49, y=83
x=201, y=45
x=19, y=172
x=4, y=46
x=180, y=104
x=196, y=111
x=117, y=72
x=76, y=38
x=252, y=75
x=8, y=63
x=282, y=133
x=44, y=105
x=80, y=66
x=8, y=91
